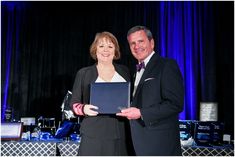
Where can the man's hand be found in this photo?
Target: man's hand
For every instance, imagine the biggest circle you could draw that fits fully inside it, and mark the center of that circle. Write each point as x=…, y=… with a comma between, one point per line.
x=130, y=113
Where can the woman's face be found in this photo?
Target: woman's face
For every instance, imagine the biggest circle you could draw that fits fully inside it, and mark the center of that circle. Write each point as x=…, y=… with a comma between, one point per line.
x=105, y=50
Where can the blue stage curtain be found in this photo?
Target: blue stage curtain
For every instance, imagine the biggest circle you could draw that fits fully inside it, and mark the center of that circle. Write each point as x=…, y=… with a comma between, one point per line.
x=14, y=14
x=11, y=36
x=185, y=33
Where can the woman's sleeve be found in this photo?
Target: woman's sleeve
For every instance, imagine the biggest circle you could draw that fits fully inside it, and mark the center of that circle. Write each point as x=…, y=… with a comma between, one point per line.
x=77, y=91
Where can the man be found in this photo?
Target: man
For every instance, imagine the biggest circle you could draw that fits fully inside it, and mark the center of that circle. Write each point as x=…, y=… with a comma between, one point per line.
x=158, y=98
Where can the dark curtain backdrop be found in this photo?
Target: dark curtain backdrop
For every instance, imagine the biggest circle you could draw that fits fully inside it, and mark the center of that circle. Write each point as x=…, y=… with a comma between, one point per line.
x=43, y=45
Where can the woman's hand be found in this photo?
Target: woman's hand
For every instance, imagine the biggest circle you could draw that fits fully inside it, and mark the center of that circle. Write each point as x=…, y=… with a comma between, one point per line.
x=90, y=110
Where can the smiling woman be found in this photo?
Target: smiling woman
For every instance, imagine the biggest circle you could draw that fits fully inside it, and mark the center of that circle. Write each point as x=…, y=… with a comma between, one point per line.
x=105, y=50
x=101, y=134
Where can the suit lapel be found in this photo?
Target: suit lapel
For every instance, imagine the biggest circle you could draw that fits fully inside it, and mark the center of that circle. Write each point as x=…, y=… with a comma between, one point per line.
x=153, y=62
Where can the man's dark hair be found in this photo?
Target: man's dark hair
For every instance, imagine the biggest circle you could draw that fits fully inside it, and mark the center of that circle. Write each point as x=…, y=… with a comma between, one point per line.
x=138, y=28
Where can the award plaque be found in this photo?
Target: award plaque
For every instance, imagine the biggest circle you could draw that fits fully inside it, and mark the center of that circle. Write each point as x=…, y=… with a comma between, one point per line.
x=11, y=131
x=110, y=97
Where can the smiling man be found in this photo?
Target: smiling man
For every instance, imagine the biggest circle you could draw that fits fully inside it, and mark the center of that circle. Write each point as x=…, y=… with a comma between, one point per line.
x=158, y=98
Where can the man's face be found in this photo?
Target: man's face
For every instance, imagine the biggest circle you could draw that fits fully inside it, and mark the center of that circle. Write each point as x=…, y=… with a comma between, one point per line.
x=140, y=46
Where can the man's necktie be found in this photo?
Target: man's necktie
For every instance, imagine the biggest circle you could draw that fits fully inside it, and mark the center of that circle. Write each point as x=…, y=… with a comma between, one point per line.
x=140, y=66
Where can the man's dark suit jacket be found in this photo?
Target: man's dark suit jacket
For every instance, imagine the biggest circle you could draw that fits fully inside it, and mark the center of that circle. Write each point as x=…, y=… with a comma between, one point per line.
x=160, y=98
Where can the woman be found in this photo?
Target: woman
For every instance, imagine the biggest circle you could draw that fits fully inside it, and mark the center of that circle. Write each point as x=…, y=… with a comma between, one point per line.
x=100, y=134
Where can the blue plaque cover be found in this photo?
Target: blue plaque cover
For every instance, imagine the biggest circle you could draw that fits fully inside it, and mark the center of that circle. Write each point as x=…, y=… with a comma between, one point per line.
x=186, y=129
x=202, y=135
x=110, y=97
x=217, y=133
